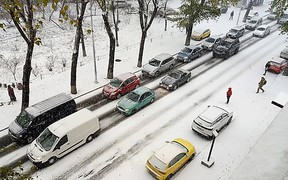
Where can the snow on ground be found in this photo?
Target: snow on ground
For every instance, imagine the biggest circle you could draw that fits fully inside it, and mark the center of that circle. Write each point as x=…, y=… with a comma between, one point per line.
x=173, y=116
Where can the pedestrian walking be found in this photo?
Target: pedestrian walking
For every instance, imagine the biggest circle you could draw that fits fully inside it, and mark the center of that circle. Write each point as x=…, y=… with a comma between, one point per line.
x=11, y=94
x=228, y=94
x=261, y=84
x=267, y=66
x=231, y=15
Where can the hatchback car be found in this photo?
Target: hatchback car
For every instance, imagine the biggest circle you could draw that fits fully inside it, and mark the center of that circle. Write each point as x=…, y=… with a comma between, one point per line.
x=210, y=42
x=135, y=100
x=262, y=31
x=284, y=53
x=200, y=34
x=189, y=53
x=283, y=19
x=214, y=118
x=175, y=79
x=236, y=32
x=272, y=16
x=170, y=158
x=253, y=23
x=158, y=64
x=277, y=67
x=121, y=85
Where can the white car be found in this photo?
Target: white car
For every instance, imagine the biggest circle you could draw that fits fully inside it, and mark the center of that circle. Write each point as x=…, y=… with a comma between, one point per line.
x=262, y=31
x=214, y=118
x=284, y=53
x=253, y=23
x=252, y=14
x=210, y=42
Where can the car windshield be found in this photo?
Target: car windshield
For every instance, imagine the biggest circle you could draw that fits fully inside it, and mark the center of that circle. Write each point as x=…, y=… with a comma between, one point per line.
x=210, y=40
x=154, y=62
x=186, y=50
x=233, y=30
x=133, y=96
x=157, y=163
x=116, y=82
x=175, y=75
x=225, y=43
x=261, y=29
x=47, y=139
x=253, y=21
x=23, y=119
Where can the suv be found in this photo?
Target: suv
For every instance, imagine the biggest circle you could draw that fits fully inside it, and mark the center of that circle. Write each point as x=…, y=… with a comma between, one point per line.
x=253, y=23
x=236, y=32
x=121, y=85
x=226, y=48
x=158, y=64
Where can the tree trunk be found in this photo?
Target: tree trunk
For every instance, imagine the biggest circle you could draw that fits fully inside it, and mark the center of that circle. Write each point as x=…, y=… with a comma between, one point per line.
x=26, y=76
x=141, y=49
x=112, y=46
x=188, y=35
x=83, y=44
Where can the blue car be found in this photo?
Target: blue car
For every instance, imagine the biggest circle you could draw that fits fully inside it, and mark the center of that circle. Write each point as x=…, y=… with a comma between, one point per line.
x=189, y=53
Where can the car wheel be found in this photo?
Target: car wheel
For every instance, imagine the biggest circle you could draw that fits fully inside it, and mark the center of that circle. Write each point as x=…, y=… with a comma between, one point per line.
x=214, y=55
x=118, y=96
x=236, y=51
x=175, y=87
x=188, y=79
x=51, y=161
x=229, y=121
x=134, y=111
x=156, y=74
x=169, y=177
x=191, y=157
x=171, y=66
x=226, y=56
x=152, y=100
x=29, y=139
x=89, y=138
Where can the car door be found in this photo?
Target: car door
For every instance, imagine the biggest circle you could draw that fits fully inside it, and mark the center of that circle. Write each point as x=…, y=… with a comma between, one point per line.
x=218, y=123
x=163, y=66
x=125, y=87
x=130, y=85
x=177, y=162
x=183, y=78
x=144, y=99
x=62, y=147
x=224, y=120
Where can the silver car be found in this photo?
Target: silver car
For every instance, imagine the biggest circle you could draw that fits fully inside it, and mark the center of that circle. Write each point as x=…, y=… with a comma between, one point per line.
x=262, y=31
x=158, y=65
x=284, y=53
x=253, y=23
x=214, y=118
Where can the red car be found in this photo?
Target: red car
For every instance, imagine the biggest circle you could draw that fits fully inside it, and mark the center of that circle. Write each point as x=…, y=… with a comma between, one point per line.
x=121, y=85
x=276, y=67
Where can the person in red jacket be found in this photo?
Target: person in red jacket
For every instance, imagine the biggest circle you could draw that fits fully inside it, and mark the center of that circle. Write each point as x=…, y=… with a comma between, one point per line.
x=229, y=94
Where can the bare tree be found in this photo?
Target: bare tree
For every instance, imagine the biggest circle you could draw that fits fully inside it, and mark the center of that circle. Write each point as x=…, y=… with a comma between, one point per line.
x=104, y=7
x=145, y=23
x=11, y=65
x=79, y=21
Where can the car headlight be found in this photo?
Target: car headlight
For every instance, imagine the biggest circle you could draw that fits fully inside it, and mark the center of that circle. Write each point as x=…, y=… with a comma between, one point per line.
x=113, y=93
x=126, y=110
x=170, y=85
x=185, y=57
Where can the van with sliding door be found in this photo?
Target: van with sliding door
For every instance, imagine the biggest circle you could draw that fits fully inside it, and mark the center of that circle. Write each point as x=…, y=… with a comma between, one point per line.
x=62, y=137
x=34, y=119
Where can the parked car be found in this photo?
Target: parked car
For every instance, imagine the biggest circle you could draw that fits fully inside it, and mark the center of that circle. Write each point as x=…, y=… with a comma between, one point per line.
x=158, y=64
x=34, y=119
x=223, y=9
x=277, y=67
x=170, y=158
x=162, y=12
x=189, y=53
x=236, y=32
x=62, y=137
x=214, y=118
x=210, y=42
x=252, y=14
x=284, y=53
x=175, y=79
x=283, y=19
x=200, y=34
x=122, y=4
x=135, y=100
x=272, y=16
x=121, y=85
x=226, y=48
x=253, y=23
x=262, y=31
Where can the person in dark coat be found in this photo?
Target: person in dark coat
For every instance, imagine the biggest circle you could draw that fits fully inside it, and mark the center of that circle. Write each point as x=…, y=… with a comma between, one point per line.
x=267, y=66
x=228, y=94
x=261, y=84
x=11, y=93
x=231, y=15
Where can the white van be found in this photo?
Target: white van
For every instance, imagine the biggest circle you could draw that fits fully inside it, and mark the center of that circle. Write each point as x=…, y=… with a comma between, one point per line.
x=62, y=137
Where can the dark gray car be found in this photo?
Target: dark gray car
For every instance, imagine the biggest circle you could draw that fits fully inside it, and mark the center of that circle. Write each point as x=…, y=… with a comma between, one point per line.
x=175, y=79
x=189, y=53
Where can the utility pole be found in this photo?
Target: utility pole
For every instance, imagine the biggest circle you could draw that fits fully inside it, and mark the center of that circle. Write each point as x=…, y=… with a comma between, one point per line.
x=93, y=43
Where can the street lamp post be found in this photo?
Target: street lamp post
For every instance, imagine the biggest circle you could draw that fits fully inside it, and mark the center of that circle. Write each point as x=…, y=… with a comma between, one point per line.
x=93, y=44
x=209, y=162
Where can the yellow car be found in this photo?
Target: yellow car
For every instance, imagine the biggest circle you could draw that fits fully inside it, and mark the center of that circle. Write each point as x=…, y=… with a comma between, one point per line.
x=170, y=158
x=200, y=34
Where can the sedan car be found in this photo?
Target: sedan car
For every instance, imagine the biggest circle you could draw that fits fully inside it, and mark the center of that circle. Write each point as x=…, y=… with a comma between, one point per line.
x=214, y=118
x=120, y=86
x=236, y=32
x=135, y=100
x=210, y=42
x=175, y=79
x=277, y=67
x=169, y=158
x=200, y=34
x=262, y=31
x=189, y=53
x=284, y=53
